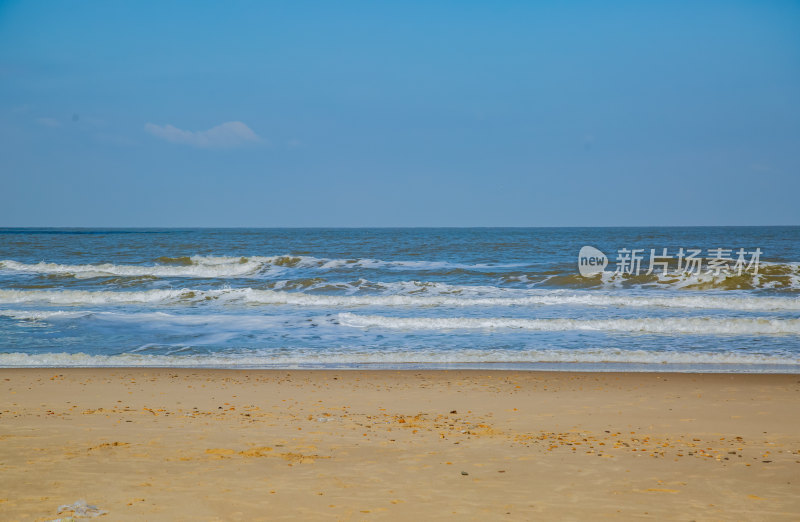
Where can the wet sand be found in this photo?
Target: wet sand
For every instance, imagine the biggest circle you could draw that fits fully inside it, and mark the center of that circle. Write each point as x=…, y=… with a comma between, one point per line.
x=185, y=444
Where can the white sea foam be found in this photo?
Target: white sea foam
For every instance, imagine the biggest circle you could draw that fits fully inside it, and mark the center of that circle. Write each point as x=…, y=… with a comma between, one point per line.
x=201, y=267
x=667, y=325
x=232, y=267
x=229, y=322
x=330, y=264
x=537, y=299
x=342, y=357
x=43, y=315
x=413, y=295
x=100, y=297
x=779, y=276
x=224, y=322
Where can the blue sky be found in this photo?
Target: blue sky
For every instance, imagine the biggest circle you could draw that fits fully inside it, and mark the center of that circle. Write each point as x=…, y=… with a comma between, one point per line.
x=399, y=114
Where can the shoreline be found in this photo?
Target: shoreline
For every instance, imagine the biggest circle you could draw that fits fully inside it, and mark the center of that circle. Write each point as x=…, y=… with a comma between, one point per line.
x=411, y=369
x=544, y=367
x=353, y=444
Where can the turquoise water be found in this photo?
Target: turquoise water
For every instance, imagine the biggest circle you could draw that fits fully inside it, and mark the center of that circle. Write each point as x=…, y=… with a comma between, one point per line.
x=488, y=298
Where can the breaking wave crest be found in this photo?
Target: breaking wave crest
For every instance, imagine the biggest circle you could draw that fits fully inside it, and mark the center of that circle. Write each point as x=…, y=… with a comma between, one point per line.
x=409, y=295
x=771, y=276
x=198, y=267
x=278, y=358
x=230, y=267
x=648, y=325
x=225, y=322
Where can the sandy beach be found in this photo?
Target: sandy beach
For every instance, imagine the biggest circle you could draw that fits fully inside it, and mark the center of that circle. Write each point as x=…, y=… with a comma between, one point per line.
x=183, y=444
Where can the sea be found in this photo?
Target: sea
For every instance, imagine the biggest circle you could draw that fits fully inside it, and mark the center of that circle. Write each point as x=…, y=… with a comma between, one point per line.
x=686, y=299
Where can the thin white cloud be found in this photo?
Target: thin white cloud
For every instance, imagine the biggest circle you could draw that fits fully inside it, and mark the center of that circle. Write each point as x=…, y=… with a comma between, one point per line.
x=228, y=135
x=48, y=122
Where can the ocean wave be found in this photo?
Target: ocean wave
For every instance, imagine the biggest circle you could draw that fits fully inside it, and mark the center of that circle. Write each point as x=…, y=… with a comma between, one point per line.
x=200, y=267
x=282, y=358
x=96, y=297
x=43, y=315
x=410, y=295
x=221, y=322
x=771, y=276
x=231, y=267
x=649, y=325
x=421, y=265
